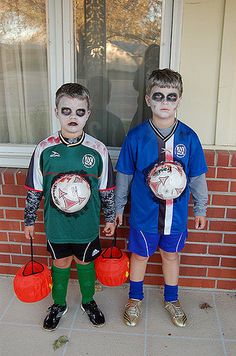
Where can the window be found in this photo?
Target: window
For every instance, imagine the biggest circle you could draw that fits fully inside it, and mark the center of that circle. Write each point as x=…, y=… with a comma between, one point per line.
x=117, y=46
x=24, y=116
x=109, y=46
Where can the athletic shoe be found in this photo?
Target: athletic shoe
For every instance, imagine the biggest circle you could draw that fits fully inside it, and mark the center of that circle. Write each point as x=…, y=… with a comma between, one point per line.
x=132, y=312
x=176, y=312
x=94, y=313
x=52, y=319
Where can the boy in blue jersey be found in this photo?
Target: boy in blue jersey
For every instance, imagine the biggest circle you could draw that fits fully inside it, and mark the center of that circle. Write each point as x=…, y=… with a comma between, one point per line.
x=71, y=155
x=156, y=223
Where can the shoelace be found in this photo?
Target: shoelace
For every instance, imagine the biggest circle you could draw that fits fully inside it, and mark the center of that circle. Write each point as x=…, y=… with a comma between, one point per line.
x=92, y=307
x=133, y=308
x=178, y=310
x=54, y=309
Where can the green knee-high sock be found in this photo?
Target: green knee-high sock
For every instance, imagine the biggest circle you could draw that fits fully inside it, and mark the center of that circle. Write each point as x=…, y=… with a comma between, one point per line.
x=60, y=279
x=86, y=277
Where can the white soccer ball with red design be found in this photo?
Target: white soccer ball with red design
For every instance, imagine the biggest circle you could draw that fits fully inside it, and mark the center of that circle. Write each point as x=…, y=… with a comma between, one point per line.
x=70, y=193
x=167, y=180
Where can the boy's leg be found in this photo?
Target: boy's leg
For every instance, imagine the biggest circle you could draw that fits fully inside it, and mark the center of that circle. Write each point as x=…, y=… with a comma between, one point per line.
x=87, y=277
x=132, y=311
x=170, y=268
x=138, y=265
x=142, y=245
x=60, y=279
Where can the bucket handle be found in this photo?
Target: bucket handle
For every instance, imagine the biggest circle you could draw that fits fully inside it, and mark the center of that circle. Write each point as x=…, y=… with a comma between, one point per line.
x=113, y=244
x=32, y=259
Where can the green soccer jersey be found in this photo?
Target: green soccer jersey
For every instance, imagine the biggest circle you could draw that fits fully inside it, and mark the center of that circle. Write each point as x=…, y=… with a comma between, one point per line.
x=55, y=157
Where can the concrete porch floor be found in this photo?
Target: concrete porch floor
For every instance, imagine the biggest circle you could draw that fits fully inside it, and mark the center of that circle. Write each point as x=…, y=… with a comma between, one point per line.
x=211, y=332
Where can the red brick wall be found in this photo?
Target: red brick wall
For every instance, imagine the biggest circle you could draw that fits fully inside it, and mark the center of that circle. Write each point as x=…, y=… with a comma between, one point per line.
x=208, y=259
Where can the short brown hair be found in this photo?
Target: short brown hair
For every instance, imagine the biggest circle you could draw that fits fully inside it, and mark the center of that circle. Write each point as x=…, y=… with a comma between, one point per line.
x=165, y=78
x=73, y=90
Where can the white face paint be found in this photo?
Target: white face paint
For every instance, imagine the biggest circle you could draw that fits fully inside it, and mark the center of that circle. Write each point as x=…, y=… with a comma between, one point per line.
x=73, y=114
x=163, y=103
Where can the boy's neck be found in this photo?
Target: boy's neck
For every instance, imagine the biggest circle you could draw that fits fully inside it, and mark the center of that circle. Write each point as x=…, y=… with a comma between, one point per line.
x=72, y=138
x=163, y=123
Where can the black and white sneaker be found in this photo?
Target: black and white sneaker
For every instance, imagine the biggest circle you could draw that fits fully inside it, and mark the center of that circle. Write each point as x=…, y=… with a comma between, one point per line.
x=52, y=319
x=94, y=313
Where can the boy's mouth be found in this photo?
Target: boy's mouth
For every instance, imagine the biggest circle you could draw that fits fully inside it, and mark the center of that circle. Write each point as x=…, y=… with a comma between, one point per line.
x=72, y=124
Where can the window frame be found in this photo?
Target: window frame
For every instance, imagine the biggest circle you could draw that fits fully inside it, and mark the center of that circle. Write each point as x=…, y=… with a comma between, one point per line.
x=60, y=45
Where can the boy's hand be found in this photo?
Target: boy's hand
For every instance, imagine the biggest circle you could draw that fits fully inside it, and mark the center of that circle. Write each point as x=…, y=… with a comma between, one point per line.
x=29, y=232
x=200, y=222
x=109, y=229
x=119, y=219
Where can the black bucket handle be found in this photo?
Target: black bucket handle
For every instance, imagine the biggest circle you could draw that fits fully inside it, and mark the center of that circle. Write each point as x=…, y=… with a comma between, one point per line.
x=32, y=260
x=113, y=244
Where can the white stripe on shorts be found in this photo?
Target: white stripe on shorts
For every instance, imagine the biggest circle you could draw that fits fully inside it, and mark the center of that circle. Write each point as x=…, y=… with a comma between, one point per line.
x=178, y=243
x=145, y=242
x=53, y=252
x=86, y=251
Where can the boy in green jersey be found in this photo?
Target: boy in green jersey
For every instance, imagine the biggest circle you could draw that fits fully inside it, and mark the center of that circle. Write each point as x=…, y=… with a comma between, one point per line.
x=73, y=171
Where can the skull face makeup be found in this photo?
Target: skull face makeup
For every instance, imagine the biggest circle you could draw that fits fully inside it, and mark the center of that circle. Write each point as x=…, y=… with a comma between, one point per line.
x=163, y=103
x=160, y=97
x=73, y=114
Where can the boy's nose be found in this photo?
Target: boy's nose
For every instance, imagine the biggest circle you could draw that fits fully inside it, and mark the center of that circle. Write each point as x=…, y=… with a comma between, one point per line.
x=73, y=116
x=164, y=100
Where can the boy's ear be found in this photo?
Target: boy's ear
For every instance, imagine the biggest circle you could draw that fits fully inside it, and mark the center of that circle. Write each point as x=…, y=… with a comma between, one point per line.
x=147, y=98
x=56, y=111
x=180, y=98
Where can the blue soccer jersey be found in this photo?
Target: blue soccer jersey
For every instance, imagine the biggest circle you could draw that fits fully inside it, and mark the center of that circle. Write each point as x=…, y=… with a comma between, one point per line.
x=145, y=146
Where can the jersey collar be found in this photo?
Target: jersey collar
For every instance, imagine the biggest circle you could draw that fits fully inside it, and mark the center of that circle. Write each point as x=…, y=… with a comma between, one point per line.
x=158, y=133
x=70, y=143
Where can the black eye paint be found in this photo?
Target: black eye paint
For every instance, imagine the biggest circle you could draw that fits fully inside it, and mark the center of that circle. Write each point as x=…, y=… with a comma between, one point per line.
x=160, y=97
x=80, y=112
x=66, y=111
x=172, y=97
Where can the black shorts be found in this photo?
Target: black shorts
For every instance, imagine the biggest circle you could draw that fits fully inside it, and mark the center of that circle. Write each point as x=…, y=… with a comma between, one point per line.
x=84, y=252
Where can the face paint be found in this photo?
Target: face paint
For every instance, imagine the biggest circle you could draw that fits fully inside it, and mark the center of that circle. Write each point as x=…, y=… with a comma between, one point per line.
x=67, y=112
x=160, y=97
x=73, y=114
x=163, y=103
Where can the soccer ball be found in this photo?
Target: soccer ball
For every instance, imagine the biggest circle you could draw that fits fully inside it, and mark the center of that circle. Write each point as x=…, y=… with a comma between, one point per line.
x=70, y=193
x=167, y=180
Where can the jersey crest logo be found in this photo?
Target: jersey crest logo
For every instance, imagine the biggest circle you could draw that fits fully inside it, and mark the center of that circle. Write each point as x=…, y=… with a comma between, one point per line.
x=180, y=150
x=88, y=161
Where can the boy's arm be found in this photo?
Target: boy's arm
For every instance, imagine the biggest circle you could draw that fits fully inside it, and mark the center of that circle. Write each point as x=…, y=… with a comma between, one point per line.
x=108, y=207
x=123, y=182
x=198, y=188
x=32, y=204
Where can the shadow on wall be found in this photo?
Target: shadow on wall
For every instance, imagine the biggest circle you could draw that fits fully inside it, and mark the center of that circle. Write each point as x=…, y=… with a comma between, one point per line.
x=103, y=124
x=150, y=63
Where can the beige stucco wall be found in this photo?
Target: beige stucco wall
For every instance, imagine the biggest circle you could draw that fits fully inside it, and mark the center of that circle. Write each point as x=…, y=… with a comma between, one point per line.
x=208, y=66
x=226, y=115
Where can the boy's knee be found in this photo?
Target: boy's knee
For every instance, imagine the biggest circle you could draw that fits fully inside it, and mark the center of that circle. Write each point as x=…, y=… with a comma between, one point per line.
x=139, y=258
x=63, y=262
x=170, y=256
x=79, y=262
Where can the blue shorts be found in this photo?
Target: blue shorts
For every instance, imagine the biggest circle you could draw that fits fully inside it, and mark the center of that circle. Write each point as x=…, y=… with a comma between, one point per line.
x=145, y=244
